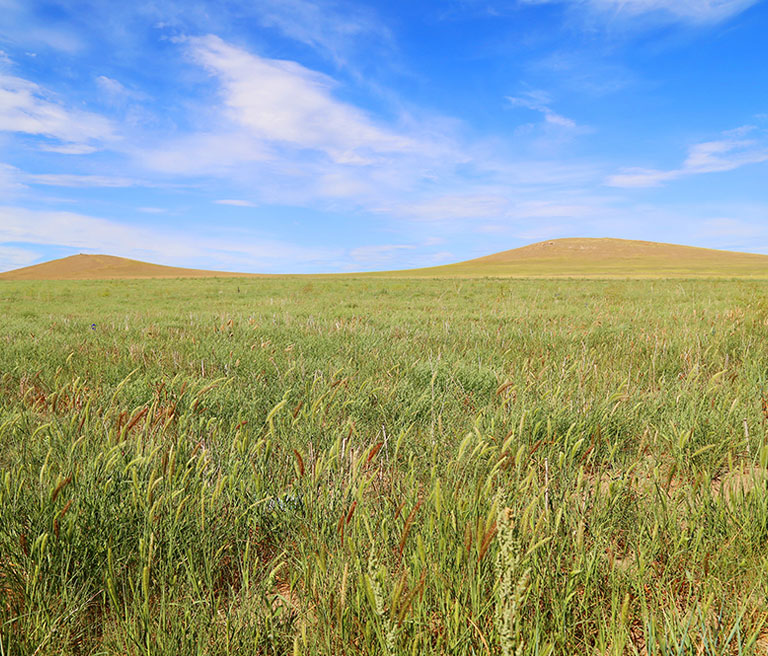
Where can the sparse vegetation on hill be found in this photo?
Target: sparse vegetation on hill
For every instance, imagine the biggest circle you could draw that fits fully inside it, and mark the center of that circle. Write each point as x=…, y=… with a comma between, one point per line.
x=383, y=467
x=607, y=258
x=106, y=267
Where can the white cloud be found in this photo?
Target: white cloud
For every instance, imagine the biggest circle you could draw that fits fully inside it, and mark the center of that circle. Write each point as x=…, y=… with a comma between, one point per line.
x=286, y=103
x=378, y=254
x=72, y=180
x=441, y=257
x=640, y=177
x=725, y=155
x=283, y=135
x=453, y=207
x=10, y=180
x=235, y=202
x=206, y=153
x=115, y=92
x=539, y=101
x=12, y=257
x=68, y=149
x=695, y=11
x=111, y=86
x=707, y=157
x=28, y=108
x=731, y=228
x=457, y=207
x=393, y=256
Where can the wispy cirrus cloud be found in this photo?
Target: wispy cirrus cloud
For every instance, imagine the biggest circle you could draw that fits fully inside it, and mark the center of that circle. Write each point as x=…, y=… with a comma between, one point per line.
x=322, y=26
x=81, y=181
x=453, y=207
x=116, y=93
x=235, y=202
x=540, y=101
x=693, y=11
x=26, y=107
x=708, y=157
x=13, y=257
x=10, y=180
x=13, y=179
x=498, y=206
x=731, y=228
x=378, y=254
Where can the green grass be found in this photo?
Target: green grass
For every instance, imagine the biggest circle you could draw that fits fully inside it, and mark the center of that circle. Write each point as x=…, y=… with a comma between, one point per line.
x=291, y=466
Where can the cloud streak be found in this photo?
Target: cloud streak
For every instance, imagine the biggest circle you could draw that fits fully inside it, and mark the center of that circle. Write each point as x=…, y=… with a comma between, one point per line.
x=81, y=181
x=693, y=11
x=321, y=27
x=235, y=202
x=26, y=107
x=708, y=157
x=539, y=101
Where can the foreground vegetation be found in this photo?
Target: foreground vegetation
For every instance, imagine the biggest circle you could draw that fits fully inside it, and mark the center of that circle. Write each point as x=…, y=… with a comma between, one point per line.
x=383, y=467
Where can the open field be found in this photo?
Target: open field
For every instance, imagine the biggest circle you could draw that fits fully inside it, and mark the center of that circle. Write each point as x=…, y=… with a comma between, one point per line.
x=362, y=466
x=558, y=258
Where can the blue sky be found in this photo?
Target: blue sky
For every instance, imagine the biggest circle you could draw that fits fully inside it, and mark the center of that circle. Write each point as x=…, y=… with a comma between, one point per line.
x=307, y=136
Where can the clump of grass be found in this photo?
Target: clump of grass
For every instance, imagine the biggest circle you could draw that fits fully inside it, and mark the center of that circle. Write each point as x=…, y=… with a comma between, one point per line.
x=513, y=587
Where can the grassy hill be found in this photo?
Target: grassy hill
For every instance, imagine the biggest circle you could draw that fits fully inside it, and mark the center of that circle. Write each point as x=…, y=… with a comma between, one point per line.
x=604, y=258
x=106, y=267
x=558, y=258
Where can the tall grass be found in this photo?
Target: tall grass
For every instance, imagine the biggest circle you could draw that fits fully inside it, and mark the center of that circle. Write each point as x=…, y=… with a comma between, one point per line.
x=383, y=467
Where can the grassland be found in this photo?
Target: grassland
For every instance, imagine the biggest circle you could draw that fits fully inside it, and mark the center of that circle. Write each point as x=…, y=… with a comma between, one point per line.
x=361, y=466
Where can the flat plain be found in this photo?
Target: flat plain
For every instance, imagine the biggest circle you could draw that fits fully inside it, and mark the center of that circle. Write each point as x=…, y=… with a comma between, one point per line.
x=363, y=466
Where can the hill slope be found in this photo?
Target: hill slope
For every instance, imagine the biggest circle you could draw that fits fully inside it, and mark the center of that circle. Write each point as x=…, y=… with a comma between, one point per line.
x=105, y=267
x=605, y=258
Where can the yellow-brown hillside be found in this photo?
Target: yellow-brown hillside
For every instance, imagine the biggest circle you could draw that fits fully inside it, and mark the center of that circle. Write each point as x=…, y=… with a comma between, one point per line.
x=605, y=258
x=105, y=267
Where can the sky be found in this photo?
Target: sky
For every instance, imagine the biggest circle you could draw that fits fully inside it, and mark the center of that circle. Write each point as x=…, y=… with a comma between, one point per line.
x=300, y=136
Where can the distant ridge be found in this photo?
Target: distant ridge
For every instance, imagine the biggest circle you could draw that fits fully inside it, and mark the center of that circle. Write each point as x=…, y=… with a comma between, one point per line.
x=555, y=258
x=106, y=267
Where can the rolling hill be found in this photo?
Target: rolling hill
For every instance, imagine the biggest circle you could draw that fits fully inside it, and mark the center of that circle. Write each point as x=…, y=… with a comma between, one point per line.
x=106, y=267
x=604, y=258
x=558, y=258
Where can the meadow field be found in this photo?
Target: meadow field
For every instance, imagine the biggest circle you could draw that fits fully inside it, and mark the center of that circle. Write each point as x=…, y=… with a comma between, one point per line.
x=366, y=466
